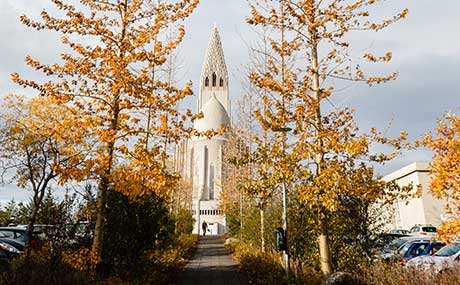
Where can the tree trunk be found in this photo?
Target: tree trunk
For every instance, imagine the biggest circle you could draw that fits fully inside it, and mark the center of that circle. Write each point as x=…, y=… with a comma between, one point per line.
x=30, y=226
x=104, y=185
x=262, y=230
x=39, y=193
x=324, y=251
x=100, y=219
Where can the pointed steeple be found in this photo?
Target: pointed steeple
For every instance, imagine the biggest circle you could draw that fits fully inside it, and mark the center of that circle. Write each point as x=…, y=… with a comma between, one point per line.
x=214, y=76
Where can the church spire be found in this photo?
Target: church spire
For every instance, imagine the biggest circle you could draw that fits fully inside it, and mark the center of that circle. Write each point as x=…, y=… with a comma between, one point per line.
x=214, y=76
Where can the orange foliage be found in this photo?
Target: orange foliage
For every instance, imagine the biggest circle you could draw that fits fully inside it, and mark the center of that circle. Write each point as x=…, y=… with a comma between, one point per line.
x=445, y=182
x=113, y=75
x=325, y=152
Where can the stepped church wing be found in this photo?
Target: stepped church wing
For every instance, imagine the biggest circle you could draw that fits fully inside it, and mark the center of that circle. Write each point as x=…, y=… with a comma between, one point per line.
x=201, y=158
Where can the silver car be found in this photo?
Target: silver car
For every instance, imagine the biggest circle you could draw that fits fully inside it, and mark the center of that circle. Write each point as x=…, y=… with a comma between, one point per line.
x=446, y=257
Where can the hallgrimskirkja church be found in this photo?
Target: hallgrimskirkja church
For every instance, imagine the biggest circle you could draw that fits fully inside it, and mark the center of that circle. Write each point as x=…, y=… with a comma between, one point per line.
x=201, y=158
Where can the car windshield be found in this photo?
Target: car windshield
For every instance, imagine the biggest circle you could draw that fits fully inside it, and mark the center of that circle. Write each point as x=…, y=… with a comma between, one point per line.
x=6, y=234
x=397, y=243
x=403, y=249
x=418, y=249
x=14, y=233
x=448, y=250
x=429, y=229
x=394, y=245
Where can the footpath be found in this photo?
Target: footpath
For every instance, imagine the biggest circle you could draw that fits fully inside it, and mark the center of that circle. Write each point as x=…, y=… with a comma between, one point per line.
x=212, y=265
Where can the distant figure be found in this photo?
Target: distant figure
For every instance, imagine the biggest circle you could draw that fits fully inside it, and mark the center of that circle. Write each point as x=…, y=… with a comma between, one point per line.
x=204, y=226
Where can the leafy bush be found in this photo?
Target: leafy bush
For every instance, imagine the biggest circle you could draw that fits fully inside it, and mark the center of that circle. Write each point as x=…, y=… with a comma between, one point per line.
x=163, y=264
x=382, y=274
x=82, y=260
x=265, y=268
x=46, y=266
x=133, y=229
x=184, y=222
x=43, y=266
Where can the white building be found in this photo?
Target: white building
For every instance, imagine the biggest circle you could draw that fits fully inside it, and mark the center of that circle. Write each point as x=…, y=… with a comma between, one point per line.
x=200, y=160
x=424, y=209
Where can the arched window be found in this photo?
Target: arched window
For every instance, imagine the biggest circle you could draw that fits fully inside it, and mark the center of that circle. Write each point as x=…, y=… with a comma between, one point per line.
x=221, y=82
x=206, y=82
x=214, y=79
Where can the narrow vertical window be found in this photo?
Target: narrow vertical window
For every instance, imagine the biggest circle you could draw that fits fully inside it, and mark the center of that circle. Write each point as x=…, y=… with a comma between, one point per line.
x=221, y=82
x=214, y=79
x=211, y=182
x=206, y=82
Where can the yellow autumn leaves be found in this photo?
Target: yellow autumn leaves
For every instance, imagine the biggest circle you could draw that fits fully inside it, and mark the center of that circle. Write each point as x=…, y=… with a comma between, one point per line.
x=306, y=55
x=123, y=110
x=445, y=168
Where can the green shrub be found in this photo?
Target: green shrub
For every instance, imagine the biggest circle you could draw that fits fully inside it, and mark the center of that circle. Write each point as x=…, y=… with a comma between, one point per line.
x=132, y=230
x=184, y=222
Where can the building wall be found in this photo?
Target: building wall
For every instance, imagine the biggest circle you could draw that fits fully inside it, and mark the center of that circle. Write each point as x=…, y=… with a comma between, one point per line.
x=434, y=207
x=425, y=209
x=207, y=161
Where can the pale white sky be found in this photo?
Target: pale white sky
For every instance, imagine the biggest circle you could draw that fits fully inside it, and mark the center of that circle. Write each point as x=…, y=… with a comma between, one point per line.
x=425, y=46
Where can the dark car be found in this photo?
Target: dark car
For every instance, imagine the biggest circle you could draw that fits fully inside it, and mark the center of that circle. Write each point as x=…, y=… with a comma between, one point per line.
x=418, y=248
x=10, y=248
x=19, y=234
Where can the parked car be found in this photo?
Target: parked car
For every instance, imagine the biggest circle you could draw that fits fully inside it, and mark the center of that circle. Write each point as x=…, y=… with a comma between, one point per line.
x=446, y=257
x=19, y=233
x=10, y=248
x=383, y=240
x=392, y=248
x=400, y=232
x=411, y=250
x=423, y=230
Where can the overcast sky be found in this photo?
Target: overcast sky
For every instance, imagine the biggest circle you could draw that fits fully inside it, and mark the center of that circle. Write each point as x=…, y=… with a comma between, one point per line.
x=425, y=46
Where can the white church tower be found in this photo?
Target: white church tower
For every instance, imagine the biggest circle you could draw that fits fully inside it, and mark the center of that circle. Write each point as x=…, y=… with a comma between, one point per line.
x=207, y=154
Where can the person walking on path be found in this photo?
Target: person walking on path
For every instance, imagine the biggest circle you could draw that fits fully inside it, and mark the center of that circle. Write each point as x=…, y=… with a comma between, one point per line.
x=204, y=227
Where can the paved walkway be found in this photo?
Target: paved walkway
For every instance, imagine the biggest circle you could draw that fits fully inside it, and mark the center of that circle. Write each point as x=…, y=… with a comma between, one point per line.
x=212, y=265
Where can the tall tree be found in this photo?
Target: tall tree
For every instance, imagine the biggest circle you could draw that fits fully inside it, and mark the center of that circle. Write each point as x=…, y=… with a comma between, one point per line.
x=445, y=168
x=111, y=74
x=312, y=55
x=260, y=178
x=42, y=141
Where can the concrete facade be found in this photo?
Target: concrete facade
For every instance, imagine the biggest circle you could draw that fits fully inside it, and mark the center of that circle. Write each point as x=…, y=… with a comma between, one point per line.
x=425, y=209
x=200, y=159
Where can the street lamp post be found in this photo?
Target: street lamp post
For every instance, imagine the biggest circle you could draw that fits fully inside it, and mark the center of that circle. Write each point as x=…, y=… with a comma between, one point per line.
x=284, y=130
